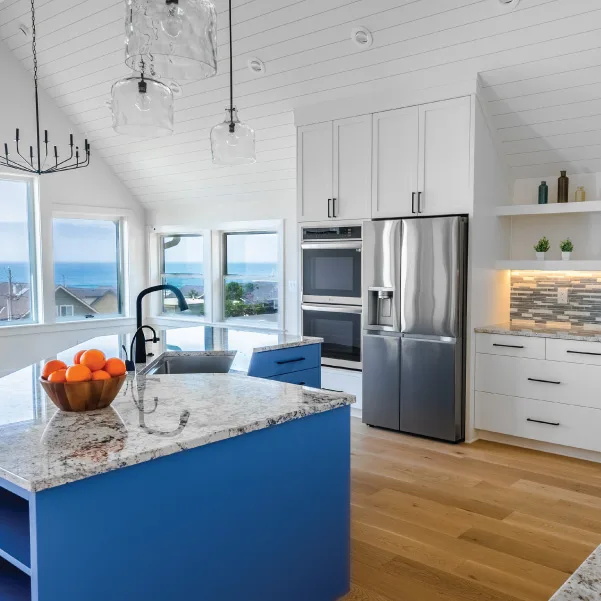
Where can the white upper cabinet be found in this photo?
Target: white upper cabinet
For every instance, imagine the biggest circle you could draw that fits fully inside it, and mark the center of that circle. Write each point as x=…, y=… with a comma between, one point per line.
x=315, y=151
x=352, y=168
x=444, y=157
x=395, y=163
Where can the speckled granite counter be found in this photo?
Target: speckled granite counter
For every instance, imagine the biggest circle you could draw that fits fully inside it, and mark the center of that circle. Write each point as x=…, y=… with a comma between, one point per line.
x=542, y=332
x=585, y=583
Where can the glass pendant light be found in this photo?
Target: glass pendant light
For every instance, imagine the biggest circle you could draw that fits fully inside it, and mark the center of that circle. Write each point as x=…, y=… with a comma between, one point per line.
x=232, y=142
x=142, y=108
x=175, y=39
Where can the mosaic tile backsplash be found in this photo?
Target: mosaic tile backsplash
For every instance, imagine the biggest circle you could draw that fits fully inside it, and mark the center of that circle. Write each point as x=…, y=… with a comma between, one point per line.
x=535, y=298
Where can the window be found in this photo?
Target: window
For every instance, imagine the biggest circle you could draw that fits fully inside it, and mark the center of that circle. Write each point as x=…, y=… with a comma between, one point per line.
x=17, y=252
x=250, y=277
x=182, y=266
x=87, y=268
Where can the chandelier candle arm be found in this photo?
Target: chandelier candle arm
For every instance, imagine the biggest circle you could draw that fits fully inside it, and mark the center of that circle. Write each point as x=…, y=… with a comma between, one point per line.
x=34, y=163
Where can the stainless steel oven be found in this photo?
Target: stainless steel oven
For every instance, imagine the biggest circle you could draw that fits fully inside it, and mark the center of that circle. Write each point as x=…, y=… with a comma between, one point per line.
x=340, y=327
x=331, y=265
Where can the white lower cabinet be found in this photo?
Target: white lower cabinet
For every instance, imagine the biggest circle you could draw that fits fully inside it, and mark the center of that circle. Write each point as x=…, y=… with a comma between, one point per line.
x=554, y=398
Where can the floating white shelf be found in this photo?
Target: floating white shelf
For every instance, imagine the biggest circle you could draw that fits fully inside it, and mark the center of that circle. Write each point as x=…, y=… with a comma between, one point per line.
x=589, y=206
x=535, y=265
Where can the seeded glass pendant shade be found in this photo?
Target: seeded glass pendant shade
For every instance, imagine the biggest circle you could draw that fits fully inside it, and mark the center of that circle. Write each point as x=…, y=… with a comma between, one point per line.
x=142, y=108
x=233, y=145
x=171, y=39
x=232, y=142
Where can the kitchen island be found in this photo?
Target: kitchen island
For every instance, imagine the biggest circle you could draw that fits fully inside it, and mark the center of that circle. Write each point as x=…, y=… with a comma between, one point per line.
x=197, y=486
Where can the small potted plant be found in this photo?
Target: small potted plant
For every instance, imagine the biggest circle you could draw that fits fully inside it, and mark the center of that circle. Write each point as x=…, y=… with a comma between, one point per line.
x=541, y=247
x=567, y=247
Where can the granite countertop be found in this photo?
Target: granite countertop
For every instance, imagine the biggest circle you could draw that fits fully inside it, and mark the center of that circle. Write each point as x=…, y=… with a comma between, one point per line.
x=585, y=583
x=153, y=416
x=574, y=333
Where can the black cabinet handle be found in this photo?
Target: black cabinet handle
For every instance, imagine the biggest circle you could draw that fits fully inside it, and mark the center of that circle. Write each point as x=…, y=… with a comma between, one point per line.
x=334, y=208
x=540, y=421
x=543, y=381
x=508, y=345
x=290, y=361
x=583, y=353
x=419, y=202
x=301, y=383
x=413, y=202
x=329, y=208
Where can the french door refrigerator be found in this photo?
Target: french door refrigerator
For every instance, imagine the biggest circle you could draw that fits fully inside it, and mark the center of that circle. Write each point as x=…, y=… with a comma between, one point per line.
x=414, y=325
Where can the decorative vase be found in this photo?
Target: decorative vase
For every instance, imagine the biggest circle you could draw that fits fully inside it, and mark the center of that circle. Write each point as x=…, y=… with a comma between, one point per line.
x=563, y=188
x=565, y=256
x=580, y=195
x=540, y=256
x=543, y=193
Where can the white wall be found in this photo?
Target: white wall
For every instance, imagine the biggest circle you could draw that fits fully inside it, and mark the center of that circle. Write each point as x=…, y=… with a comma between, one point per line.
x=221, y=214
x=93, y=190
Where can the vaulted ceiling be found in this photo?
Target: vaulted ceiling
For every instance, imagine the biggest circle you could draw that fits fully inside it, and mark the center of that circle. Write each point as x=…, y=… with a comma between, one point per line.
x=539, y=64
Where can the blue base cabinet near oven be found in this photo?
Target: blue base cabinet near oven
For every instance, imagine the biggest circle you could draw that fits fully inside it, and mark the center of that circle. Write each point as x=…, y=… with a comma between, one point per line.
x=297, y=365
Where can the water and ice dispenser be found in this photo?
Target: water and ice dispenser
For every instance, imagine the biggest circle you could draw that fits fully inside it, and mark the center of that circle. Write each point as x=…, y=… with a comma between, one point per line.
x=380, y=307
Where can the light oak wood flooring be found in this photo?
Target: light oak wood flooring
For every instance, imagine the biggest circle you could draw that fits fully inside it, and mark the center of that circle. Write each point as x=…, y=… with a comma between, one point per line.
x=470, y=522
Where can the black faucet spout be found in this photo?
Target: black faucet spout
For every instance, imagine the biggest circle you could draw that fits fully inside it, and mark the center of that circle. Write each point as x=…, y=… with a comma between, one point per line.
x=140, y=341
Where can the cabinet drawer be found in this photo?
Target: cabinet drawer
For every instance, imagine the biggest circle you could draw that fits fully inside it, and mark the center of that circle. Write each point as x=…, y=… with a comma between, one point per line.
x=285, y=361
x=512, y=346
x=571, y=383
x=343, y=380
x=307, y=377
x=566, y=425
x=574, y=351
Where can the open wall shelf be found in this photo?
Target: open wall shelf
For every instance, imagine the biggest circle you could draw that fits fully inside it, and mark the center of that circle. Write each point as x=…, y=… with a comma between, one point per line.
x=589, y=206
x=549, y=265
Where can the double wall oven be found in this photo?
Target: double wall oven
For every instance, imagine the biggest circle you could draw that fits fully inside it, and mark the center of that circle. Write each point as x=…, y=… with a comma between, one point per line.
x=331, y=292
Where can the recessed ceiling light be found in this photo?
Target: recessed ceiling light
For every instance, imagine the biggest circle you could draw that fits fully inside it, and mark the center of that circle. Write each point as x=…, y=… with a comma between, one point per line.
x=509, y=3
x=256, y=66
x=362, y=37
x=24, y=30
x=175, y=88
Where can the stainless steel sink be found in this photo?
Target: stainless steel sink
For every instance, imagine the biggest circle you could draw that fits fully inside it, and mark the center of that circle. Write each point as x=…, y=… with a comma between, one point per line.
x=191, y=363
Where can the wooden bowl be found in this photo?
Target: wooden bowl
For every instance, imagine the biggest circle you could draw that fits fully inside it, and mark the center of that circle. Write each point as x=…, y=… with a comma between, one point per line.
x=83, y=396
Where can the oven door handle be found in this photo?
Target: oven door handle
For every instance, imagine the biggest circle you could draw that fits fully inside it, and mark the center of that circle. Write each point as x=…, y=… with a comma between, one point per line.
x=333, y=308
x=351, y=244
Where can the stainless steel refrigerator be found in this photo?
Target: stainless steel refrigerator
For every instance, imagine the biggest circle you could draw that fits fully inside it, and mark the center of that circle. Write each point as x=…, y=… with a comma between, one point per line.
x=414, y=300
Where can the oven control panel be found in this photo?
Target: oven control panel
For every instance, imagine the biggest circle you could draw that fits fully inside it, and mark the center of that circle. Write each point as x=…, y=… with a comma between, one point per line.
x=332, y=233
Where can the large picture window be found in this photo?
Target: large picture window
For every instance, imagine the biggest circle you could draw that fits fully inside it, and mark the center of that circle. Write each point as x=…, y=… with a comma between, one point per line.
x=250, y=278
x=87, y=268
x=18, y=300
x=182, y=258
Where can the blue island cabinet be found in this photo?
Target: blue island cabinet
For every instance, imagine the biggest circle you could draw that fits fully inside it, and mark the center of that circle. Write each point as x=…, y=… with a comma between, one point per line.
x=296, y=365
x=263, y=516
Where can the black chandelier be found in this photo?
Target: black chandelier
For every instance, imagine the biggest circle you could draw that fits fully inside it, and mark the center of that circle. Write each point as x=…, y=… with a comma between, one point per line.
x=33, y=163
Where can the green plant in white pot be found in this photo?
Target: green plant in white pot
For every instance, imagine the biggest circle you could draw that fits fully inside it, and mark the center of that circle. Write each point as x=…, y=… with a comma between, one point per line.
x=541, y=247
x=566, y=249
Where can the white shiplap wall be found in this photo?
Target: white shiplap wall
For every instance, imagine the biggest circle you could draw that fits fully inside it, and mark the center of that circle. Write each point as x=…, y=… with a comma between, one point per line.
x=540, y=67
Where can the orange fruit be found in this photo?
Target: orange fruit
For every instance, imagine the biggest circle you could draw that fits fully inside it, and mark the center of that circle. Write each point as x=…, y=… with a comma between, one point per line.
x=79, y=373
x=94, y=359
x=101, y=375
x=115, y=367
x=77, y=357
x=52, y=366
x=60, y=375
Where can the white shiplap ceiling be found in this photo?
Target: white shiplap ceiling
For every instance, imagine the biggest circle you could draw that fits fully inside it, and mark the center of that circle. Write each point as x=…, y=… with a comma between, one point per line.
x=539, y=63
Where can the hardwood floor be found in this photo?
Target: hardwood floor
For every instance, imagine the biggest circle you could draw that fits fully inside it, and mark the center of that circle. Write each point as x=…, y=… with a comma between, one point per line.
x=479, y=522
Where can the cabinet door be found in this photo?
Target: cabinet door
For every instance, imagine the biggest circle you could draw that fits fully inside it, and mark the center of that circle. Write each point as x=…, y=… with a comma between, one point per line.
x=444, y=157
x=314, y=171
x=395, y=162
x=352, y=168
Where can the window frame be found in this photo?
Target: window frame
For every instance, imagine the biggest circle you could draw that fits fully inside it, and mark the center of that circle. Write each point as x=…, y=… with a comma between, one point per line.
x=278, y=279
x=162, y=274
x=121, y=254
x=33, y=231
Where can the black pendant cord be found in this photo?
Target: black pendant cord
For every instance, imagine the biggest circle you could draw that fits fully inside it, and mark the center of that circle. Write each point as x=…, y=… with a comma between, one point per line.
x=29, y=164
x=232, y=124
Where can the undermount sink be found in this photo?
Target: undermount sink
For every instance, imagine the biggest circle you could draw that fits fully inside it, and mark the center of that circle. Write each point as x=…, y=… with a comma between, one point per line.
x=191, y=363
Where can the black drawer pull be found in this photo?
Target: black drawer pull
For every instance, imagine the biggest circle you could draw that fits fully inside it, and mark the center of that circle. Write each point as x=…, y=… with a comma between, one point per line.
x=543, y=381
x=290, y=361
x=540, y=421
x=508, y=345
x=301, y=383
x=583, y=353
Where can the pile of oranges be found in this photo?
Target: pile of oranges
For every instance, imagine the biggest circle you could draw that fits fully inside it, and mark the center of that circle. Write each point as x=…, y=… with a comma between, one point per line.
x=87, y=365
